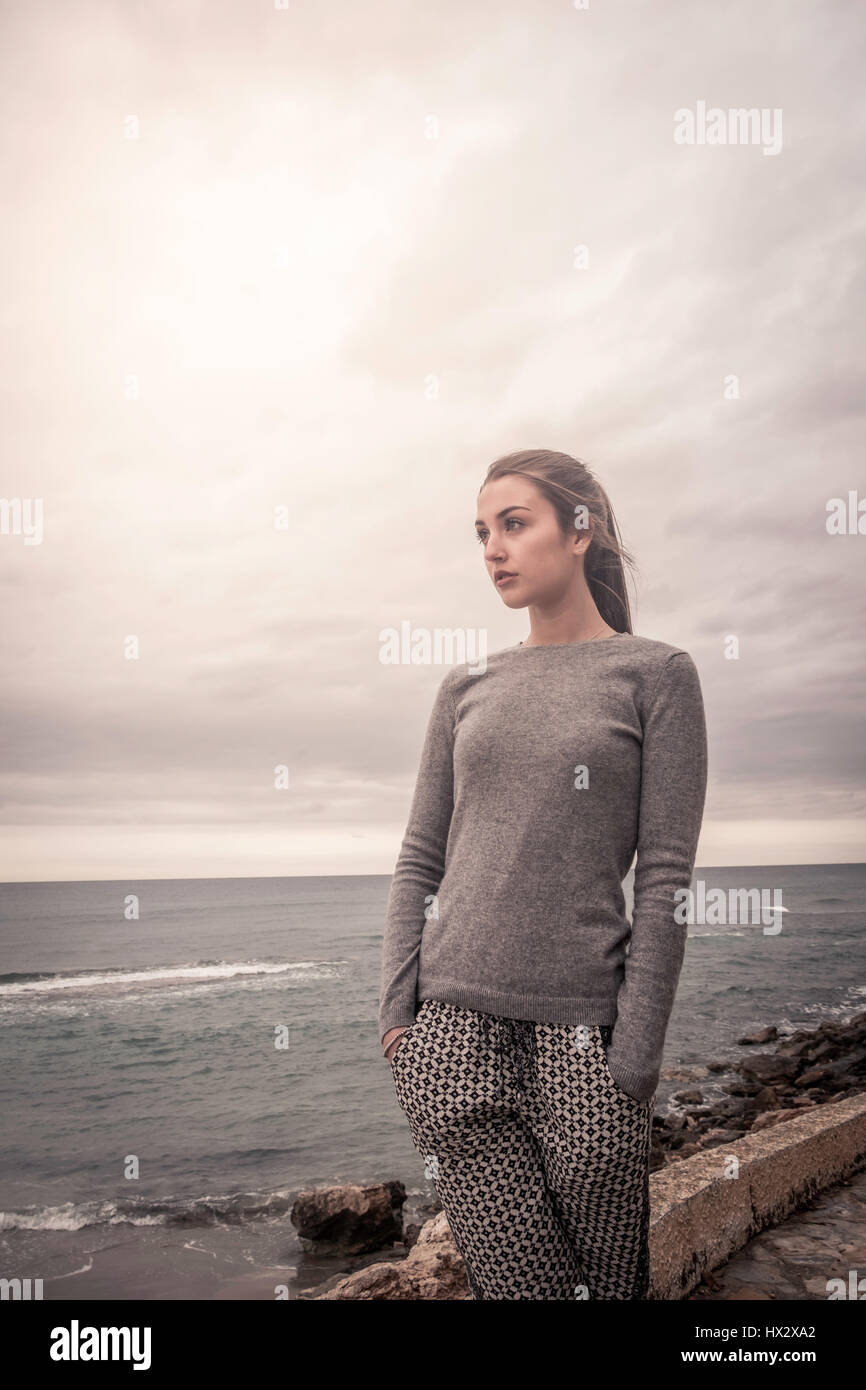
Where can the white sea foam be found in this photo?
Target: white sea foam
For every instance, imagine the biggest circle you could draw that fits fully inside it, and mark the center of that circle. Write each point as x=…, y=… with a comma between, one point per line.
x=162, y=976
x=229, y=1208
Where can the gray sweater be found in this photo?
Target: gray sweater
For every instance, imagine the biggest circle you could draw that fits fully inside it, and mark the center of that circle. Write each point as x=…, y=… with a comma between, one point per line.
x=539, y=779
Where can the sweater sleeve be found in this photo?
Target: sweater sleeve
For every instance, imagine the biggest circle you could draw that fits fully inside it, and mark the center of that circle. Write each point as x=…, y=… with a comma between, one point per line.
x=673, y=788
x=420, y=866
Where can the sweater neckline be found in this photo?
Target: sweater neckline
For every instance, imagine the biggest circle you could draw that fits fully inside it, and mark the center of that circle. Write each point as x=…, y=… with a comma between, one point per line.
x=591, y=642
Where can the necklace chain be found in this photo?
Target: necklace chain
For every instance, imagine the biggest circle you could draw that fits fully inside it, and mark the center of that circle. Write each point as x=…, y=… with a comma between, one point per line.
x=582, y=640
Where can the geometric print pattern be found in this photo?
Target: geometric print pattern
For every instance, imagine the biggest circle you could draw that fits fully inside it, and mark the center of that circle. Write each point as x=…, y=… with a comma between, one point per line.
x=540, y=1159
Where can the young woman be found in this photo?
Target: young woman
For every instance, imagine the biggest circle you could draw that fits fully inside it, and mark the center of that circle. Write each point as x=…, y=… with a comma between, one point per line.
x=525, y=1042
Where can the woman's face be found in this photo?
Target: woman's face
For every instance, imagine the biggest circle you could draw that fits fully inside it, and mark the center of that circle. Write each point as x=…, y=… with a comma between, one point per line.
x=520, y=533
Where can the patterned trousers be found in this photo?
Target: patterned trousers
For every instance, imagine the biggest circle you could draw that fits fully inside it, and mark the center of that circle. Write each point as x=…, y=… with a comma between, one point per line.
x=540, y=1159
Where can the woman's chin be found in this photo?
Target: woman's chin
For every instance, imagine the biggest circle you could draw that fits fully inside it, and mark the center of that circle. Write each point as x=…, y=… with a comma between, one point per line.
x=512, y=600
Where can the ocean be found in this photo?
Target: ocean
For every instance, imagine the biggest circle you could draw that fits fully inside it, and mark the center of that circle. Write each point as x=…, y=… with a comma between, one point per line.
x=172, y=1076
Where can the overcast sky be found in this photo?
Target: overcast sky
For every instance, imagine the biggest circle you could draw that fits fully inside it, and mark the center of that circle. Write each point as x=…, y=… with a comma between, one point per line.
x=324, y=257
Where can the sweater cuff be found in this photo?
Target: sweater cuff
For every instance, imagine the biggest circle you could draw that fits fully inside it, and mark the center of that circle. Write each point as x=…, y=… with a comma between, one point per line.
x=398, y=1018
x=635, y=1083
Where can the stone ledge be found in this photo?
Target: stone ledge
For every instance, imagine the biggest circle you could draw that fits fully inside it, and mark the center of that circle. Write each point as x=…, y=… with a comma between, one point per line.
x=700, y=1217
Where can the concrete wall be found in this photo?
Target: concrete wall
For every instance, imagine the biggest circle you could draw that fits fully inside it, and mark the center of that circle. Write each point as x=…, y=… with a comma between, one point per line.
x=708, y=1206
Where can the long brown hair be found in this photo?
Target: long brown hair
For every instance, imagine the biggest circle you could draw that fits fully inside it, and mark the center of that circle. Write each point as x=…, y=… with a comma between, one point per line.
x=566, y=482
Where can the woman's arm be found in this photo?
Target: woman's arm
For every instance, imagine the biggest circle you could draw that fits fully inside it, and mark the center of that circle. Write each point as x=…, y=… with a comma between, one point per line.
x=673, y=787
x=420, y=866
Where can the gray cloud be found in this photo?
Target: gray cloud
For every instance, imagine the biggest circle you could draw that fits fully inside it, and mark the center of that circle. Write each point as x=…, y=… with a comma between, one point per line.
x=279, y=266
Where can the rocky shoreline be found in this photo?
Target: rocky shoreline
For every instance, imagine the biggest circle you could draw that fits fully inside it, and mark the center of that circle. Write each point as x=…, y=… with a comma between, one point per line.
x=807, y=1068
x=383, y=1259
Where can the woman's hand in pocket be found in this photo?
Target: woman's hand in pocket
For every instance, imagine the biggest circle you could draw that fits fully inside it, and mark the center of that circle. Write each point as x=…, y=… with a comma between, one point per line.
x=390, y=1037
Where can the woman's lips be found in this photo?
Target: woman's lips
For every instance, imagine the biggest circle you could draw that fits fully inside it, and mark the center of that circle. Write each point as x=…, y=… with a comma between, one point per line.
x=505, y=579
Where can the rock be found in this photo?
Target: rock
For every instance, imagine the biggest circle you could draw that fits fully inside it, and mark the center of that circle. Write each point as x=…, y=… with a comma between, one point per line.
x=688, y=1097
x=769, y=1067
x=813, y=1076
x=773, y=1117
x=685, y=1151
x=764, y=1035
x=411, y=1233
x=675, y=1121
x=851, y=1061
x=836, y=1031
x=350, y=1220
x=800, y=1045
x=732, y=1105
x=767, y=1099
x=712, y=1137
x=684, y=1073
x=432, y=1270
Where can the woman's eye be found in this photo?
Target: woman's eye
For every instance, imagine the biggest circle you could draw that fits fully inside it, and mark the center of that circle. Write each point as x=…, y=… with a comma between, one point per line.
x=482, y=535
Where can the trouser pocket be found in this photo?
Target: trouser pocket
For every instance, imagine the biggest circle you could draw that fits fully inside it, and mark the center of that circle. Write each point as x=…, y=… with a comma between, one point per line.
x=449, y=1071
x=605, y=1035
x=408, y=1036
